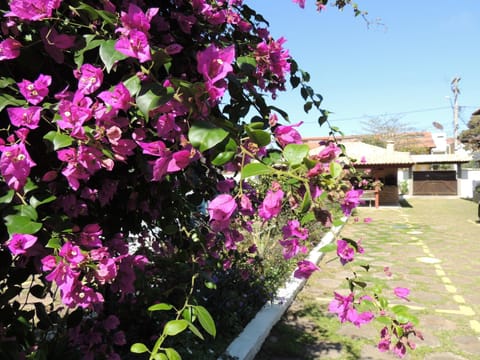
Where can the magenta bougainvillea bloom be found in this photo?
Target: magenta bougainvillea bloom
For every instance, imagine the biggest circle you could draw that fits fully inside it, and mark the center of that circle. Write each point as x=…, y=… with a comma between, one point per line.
x=351, y=201
x=15, y=165
x=288, y=135
x=292, y=247
x=136, y=19
x=293, y=230
x=9, y=49
x=118, y=99
x=271, y=205
x=179, y=161
x=343, y=306
x=215, y=64
x=221, y=209
x=402, y=293
x=25, y=117
x=89, y=77
x=20, y=243
x=345, y=252
x=72, y=253
x=305, y=269
x=35, y=92
x=134, y=45
x=301, y=3
x=329, y=152
x=55, y=43
x=33, y=9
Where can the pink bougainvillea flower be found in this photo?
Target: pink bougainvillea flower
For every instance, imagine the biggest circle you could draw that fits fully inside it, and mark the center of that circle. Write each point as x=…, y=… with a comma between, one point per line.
x=288, y=135
x=301, y=3
x=305, y=269
x=9, y=49
x=25, y=117
x=35, y=92
x=271, y=205
x=15, y=165
x=351, y=201
x=118, y=99
x=221, y=209
x=179, y=161
x=136, y=19
x=291, y=248
x=385, y=340
x=90, y=236
x=293, y=230
x=72, y=253
x=20, y=243
x=55, y=43
x=400, y=349
x=367, y=220
x=215, y=64
x=329, y=152
x=341, y=305
x=402, y=293
x=134, y=45
x=345, y=252
x=32, y=9
x=106, y=270
x=89, y=77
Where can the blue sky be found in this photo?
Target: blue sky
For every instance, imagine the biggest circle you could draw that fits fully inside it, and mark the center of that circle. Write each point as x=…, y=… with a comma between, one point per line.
x=400, y=69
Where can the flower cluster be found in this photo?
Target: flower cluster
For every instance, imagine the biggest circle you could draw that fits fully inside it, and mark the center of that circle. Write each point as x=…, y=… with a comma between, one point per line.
x=128, y=167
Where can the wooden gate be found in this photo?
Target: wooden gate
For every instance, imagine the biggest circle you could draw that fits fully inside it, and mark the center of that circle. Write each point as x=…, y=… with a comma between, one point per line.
x=434, y=183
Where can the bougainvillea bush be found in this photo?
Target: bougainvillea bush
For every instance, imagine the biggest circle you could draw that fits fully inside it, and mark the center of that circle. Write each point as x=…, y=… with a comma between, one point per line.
x=141, y=157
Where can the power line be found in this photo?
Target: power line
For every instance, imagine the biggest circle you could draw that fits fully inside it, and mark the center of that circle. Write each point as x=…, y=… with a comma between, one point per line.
x=331, y=118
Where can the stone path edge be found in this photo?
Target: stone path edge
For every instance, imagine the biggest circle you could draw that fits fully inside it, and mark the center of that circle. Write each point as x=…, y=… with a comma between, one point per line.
x=249, y=342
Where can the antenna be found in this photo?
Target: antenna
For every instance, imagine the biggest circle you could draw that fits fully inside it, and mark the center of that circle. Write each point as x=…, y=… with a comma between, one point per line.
x=437, y=125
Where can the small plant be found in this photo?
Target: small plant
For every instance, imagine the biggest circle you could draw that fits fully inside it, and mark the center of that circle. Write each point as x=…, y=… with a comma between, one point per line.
x=403, y=187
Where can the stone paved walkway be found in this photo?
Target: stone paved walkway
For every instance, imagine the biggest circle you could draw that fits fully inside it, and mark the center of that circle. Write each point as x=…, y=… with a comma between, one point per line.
x=431, y=247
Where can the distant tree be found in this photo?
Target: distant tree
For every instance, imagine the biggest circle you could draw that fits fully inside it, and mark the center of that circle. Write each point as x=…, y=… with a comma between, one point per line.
x=378, y=130
x=471, y=136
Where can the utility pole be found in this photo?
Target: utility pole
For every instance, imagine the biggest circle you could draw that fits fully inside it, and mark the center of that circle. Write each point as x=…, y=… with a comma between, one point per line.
x=456, y=92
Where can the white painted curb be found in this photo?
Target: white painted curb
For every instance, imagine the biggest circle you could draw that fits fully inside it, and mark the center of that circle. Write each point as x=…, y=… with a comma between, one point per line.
x=251, y=339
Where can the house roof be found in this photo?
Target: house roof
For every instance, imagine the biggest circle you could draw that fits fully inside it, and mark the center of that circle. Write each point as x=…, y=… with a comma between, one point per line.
x=441, y=158
x=409, y=139
x=367, y=154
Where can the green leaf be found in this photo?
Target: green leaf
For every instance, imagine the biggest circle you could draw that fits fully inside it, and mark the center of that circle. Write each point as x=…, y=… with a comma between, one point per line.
x=138, y=348
x=133, y=85
x=335, y=169
x=27, y=211
x=329, y=248
x=91, y=43
x=295, y=153
x=188, y=314
x=255, y=169
x=109, y=55
x=307, y=106
x=8, y=197
x=108, y=17
x=399, y=309
x=306, y=202
x=152, y=96
x=205, y=136
x=206, y=320
x=159, y=356
x=174, y=327
x=59, y=140
x=223, y=157
x=172, y=354
x=37, y=202
x=195, y=331
x=338, y=222
x=17, y=224
x=259, y=137
x=4, y=82
x=307, y=218
x=6, y=99
x=161, y=306
x=54, y=243
x=384, y=320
